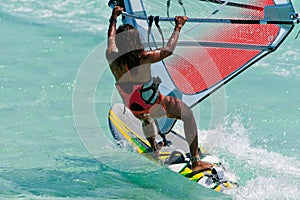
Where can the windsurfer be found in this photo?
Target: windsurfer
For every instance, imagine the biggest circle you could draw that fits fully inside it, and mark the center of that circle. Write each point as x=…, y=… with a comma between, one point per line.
x=130, y=65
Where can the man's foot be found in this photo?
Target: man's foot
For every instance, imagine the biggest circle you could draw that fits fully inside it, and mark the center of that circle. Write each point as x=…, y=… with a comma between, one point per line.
x=198, y=165
x=159, y=145
x=155, y=149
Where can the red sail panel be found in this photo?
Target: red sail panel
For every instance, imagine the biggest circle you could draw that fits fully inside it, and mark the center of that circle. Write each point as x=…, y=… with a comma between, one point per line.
x=263, y=3
x=195, y=69
x=254, y=34
x=214, y=65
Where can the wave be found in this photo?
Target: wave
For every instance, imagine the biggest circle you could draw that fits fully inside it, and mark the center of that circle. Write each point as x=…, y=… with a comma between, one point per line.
x=284, y=62
x=277, y=188
x=85, y=15
x=263, y=174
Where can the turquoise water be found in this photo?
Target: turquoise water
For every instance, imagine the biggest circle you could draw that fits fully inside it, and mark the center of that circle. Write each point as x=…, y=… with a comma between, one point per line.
x=47, y=152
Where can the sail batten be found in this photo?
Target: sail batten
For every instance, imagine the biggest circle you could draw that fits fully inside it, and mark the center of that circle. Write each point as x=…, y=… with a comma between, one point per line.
x=192, y=43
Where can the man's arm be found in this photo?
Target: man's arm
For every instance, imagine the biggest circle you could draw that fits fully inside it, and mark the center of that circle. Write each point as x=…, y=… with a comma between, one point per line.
x=154, y=56
x=111, y=50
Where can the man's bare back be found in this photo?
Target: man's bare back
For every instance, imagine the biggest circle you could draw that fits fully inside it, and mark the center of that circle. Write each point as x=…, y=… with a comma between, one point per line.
x=122, y=75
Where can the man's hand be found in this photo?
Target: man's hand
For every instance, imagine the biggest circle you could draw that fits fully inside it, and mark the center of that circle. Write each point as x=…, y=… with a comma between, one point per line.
x=116, y=12
x=180, y=21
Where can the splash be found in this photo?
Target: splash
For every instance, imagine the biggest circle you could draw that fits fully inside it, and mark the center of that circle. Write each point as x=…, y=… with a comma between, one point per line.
x=269, y=188
x=235, y=141
x=266, y=175
x=263, y=174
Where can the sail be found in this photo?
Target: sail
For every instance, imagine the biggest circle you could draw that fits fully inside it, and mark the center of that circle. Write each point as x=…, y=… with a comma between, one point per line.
x=219, y=41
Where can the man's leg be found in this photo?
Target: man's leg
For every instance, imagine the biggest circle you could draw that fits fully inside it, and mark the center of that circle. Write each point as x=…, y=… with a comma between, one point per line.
x=148, y=128
x=175, y=108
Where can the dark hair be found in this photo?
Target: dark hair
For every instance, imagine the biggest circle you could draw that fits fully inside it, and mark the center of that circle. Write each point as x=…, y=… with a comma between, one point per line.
x=129, y=45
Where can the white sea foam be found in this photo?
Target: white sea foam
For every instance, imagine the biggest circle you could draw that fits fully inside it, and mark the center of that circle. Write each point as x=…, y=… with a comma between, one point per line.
x=263, y=174
x=275, y=188
x=271, y=174
x=287, y=62
x=236, y=141
x=287, y=71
